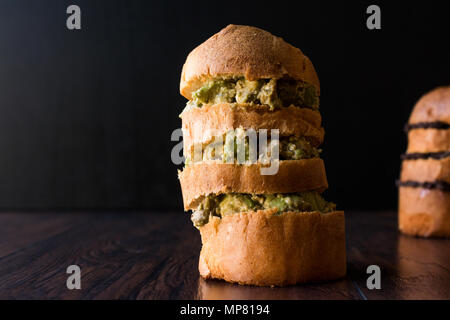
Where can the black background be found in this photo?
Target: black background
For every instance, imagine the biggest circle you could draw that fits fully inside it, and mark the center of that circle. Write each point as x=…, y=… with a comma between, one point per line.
x=86, y=116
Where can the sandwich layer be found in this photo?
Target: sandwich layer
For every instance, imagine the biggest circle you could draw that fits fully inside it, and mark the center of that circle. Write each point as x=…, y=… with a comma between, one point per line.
x=427, y=125
x=426, y=155
x=428, y=140
x=248, y=52
x=424, y=212
x=268, y=249
x=205, y=178
x=232, y=203
x=274, y=93
x=200, y=125
x=227, y=149
x=423, y=170
x=438, y=185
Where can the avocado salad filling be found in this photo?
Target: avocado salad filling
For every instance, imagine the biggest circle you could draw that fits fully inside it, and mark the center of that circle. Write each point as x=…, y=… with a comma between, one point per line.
x=290, y=148
x=274, y=93
x=228, y=204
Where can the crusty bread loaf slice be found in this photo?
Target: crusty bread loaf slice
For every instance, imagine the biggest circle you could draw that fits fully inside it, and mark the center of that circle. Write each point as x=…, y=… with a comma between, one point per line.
x=428, y=140
x=424, y=212
x=245, y=51
x=200, y=125
x=426, y=170
x=203, y=178
x=268, y=249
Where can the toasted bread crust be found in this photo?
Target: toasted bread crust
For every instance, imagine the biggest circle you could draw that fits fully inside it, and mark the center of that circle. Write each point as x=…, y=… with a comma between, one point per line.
x=204, y=178
x=424, y=212
x=245, y=51
x=433, y=106
x=200, y=125
x=426, y=170
x=266, y=249
x=428, y=140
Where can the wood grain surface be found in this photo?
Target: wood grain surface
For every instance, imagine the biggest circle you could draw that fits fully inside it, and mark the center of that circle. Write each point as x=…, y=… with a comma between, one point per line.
x=154, y=256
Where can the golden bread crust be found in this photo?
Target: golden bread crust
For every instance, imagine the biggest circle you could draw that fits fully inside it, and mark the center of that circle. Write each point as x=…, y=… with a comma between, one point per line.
x=424, y=212
x=428, y=140
x=200, y=125
x=433, y=106
x=203, y=178
x=245, y=51
x=426, y=170
x=267, y=249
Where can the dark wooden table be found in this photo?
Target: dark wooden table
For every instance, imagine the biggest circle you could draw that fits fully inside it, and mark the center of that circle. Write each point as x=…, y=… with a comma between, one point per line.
x=154, y=256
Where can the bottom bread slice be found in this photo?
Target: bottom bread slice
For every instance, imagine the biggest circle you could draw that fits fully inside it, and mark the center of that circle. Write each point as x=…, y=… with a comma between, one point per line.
x=268, y=249
x=424, y=212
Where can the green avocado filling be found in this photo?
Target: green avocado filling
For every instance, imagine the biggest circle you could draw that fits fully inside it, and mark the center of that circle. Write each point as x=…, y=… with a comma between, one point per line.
x=290, y=148
x=227, y=204
x=274, y=93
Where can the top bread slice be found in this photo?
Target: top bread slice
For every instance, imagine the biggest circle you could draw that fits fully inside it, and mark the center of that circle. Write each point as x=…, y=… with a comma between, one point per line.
x=245, y=51
x=432, y=107
x=428, y=130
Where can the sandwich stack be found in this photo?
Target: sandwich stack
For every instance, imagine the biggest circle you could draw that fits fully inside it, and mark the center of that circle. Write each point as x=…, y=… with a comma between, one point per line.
x=424, y=186
x=257, y=229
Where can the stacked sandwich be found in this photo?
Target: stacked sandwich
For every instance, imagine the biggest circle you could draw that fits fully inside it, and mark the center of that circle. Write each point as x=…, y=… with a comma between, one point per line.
x=424, y=186
x=260, y=229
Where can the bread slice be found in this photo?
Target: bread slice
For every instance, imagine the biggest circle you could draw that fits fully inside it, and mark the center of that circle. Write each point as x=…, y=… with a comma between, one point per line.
x=268, y=249
x=245, y=51
x=424, y=212
x=428, y=140
x=433, y=106
x=203, y=178
x=200, y=125
x=423, y=170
